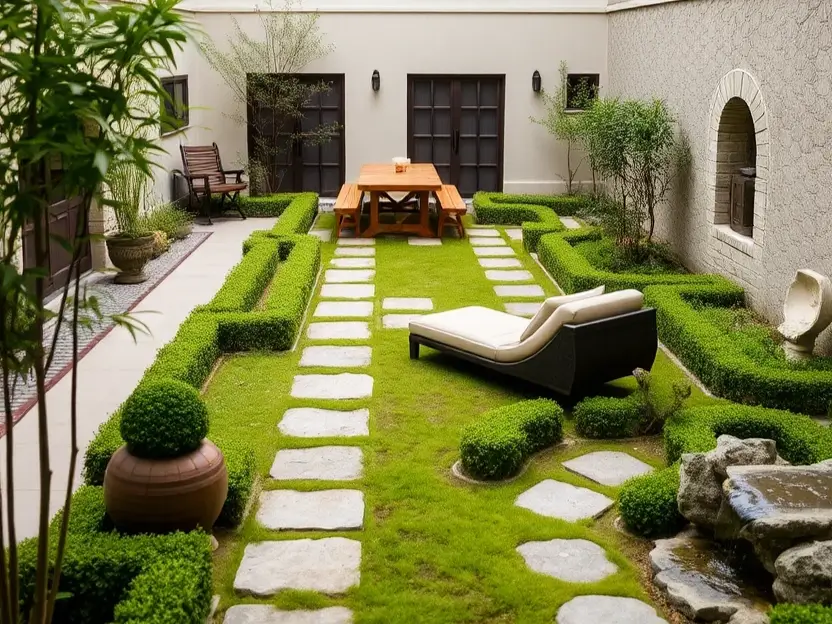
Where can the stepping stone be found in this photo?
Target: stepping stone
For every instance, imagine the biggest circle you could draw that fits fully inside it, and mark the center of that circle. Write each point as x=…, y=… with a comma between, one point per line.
x=556, y=499
x=607, y=609
x=481, y=231
x=348, y=291
x=424, y=242
x=336, y=357
x=347, y=330
x=523, y=309
x=493, y=252
x=571, y=560
x=366, y=252
x=338, y=276
x=266, y=614
x=356, y=242
x=407, y=303
x=343, y=386
x=320, y=463
x=515, y=234
x=346, y=309
x=500, y=263
x=607, y=467
x=353, y=263
x=519, y=291
x=487, y=242
x=325, y=510
x=398, y=321
x=324, y=235
x=570, y=223
x=497, y=275
x=330, y=566
x=313, y=422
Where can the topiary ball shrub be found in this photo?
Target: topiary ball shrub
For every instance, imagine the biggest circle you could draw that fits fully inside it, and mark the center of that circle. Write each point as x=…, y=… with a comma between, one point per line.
x=496, y=446
x=608, y=417
x=800, y=614
x=163, y=419
x=648, y=503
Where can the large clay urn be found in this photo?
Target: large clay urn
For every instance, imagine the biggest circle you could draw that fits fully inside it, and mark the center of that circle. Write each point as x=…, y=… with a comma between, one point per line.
x=163, y=495
x=129, y=255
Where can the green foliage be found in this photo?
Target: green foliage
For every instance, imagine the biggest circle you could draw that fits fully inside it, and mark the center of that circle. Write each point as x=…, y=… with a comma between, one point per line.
x=648, y=503
x=298, y=216
x=191, y=355
x=165, y=418
x=608, y=417
x=602, y=253
x=247, y=281
x=800, y=614
x=241, y=464
x=725, y=360
x=127, y=190
x=496, y=445
x=166, y=218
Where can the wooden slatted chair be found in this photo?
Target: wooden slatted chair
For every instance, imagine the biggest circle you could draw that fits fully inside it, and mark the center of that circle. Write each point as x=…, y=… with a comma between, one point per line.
x=348, y=209
x=203, y=171
x=451, y=209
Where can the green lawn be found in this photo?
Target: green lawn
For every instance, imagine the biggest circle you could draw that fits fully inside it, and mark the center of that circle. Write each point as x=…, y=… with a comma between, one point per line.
x=433, y=549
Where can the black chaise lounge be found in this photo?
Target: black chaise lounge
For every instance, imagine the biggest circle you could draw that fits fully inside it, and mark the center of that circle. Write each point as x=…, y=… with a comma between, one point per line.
x=574, y=342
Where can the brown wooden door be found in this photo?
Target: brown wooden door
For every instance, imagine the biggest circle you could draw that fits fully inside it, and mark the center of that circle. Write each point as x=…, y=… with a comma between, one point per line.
x=456, y=123
x=292, y=165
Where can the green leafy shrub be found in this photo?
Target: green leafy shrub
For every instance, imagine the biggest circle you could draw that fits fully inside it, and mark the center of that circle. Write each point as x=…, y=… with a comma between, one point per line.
x=167, y=218
x=163, y=419
x=496, y=445
x=800, y=614
x=648, y=503
x=535, y=213
x=265, y=205
x=241, y=463
x=247, y=281
x=608, y=417
x=191, y=355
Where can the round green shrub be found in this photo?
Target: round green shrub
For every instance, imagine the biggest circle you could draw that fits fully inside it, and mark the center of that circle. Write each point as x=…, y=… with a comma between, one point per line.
x=607, y=417
x=648, y=503
x=800, y=614
x=163, y=419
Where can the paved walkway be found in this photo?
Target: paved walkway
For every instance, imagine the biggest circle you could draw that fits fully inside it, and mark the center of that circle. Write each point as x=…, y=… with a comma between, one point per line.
x=110, y=371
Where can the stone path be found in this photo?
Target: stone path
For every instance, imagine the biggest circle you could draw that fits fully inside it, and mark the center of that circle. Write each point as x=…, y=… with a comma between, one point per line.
x=572, y=560
x=607, y=467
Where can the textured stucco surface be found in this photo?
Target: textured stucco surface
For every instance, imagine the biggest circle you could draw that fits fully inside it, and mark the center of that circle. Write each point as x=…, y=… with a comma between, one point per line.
x=679, y=52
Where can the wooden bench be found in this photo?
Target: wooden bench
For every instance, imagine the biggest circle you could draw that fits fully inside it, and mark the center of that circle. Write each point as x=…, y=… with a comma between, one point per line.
x=451, y=209
x=348, y=209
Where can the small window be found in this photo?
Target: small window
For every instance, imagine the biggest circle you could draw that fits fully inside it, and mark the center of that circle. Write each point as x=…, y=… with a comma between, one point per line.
x=581, y=89
x=175, y=104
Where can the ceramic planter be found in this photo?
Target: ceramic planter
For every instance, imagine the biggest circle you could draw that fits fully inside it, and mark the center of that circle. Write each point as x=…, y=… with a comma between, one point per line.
x=129, y=255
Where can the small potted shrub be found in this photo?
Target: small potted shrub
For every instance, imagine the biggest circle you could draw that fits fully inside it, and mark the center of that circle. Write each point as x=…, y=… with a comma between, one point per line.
x=167, y=476
x=131, y=247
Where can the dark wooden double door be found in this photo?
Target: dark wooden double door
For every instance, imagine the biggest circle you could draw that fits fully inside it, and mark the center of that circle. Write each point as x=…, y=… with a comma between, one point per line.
x=456, y=123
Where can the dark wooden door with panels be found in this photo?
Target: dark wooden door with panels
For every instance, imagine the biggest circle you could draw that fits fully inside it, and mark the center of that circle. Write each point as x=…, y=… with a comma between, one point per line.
x=456, y=123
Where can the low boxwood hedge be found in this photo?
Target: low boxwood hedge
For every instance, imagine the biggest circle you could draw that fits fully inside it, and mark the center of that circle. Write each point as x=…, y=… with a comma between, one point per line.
x=247, y=281
x=713, y=356
x=648, y=504
x=497, y=444
x=537, y=214
x=607, y=417
x=800, y=614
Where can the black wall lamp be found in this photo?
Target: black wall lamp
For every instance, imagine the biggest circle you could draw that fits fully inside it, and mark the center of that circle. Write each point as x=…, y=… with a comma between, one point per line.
x=536, y=81
x=376, y=81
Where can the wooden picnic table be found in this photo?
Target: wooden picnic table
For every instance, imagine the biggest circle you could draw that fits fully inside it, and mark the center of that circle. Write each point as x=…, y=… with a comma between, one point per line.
x=379, y=181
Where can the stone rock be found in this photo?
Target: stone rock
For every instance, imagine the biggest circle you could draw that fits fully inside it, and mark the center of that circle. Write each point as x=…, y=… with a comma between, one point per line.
x=515, y=233
x=330, y=566
x=353, y=263
x=344, y=309
x=325, y=510
x=349, y=330
x=320, y=463
x=531, y=290
x=500, y=263
x=607, y=467
x=266, y=614
x=424, y=242
x=323, y=235
x=556, y=499
x=343, y=386
x=569, y=223
x=607, y=610
x=407, y=303
x=804, y=574
x=313, y=422
x=500, y=275
x=348, y=276
x=398, y=321
x=336, y=357
x=523, y=309
x=355, y=252
x=493, y=252
x=706, y=581
x=348, y=291
x=483, y=231
x=477, y=241
x=731, y=451
x=356, y=242
x=571, y=560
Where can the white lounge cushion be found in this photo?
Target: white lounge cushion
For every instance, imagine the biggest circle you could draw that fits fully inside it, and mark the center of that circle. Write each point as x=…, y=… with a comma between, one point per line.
x=552, y=304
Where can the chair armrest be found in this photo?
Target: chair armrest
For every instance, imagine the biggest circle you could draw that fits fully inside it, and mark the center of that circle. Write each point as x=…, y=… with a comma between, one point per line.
x=191, y=178
x=237, y=172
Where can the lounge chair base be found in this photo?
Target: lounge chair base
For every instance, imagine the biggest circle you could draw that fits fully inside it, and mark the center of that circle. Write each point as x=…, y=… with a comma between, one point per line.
x=579, y=356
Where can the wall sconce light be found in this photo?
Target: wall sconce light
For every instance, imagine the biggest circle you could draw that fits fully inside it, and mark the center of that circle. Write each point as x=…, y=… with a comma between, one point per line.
x=536, y=81
x=376, y=81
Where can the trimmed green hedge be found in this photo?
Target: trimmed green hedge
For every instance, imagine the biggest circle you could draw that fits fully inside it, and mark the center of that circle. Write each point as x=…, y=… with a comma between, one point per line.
x=800, y=614
x=648, y=503
x=607, y=417
x=496, y=445
x=247, y=281
x=537, y=214
x=713, y=356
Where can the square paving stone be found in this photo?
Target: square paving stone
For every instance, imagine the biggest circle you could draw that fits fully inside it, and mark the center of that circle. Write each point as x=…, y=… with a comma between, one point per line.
x=347, y=330
x=481, y=231
x=493, y=252
x=571, y=560
x=570, y=223
x=523, y=309
x=313, y=422
x=607, y=610
x=348, y=291
x=324, y=235
x=344, y=309
x=336, y=357
x=424, y=242
x=353, y=263
x=607, y=467
x=515, y=233
x=556, y=499
x=330, y=566
x=398, y=321
x=266, y=614
x=500, y=263
x=519, y=291
x=343, y=386
x=476, y=241
x=356, y=242
x=346, y=276
x=407, y=303
x=320, y=463
x=325, y=510
x=497, y=275
x=364, y=252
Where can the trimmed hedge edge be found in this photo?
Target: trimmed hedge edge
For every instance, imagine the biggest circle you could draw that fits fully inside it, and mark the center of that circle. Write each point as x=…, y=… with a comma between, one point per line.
x=536, y=214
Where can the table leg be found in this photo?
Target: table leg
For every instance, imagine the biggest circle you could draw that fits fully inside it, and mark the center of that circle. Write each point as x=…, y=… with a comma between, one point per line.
x=374, y=226
x=424, y=214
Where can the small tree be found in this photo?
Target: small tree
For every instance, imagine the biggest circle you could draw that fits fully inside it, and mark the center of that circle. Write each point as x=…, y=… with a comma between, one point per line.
x=263, y=75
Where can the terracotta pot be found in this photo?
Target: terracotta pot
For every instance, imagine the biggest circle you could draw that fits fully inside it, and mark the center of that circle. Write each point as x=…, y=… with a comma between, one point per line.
x=129, y=255
x=163, y=495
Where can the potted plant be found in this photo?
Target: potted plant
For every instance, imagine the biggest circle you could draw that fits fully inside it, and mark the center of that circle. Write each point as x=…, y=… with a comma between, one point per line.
x=130, y=247
x=168, y=476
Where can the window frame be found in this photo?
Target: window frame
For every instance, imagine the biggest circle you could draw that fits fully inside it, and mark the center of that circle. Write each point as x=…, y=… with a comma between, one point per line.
x=180, y=118
x=573, y=80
